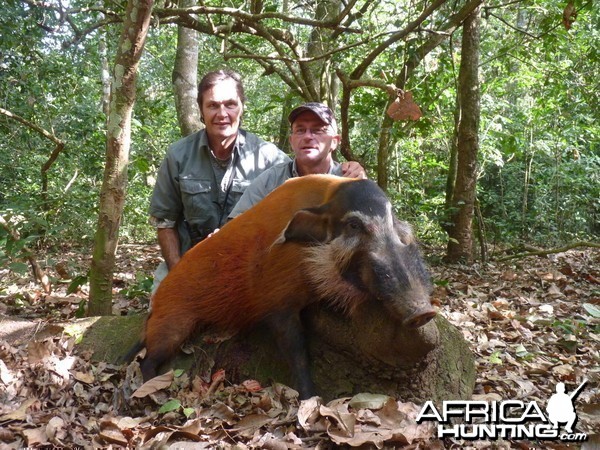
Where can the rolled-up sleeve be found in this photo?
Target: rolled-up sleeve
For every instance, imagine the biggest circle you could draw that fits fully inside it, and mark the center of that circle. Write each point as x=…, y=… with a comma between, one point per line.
x=165, y=202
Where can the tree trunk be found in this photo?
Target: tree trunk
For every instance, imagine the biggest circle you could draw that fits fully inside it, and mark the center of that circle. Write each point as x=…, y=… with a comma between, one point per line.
x=185, y=79
x=118, y=136
x=104, y=73
x=283, y=141
x=319, y=78
x=460, y=242
x=383, y=152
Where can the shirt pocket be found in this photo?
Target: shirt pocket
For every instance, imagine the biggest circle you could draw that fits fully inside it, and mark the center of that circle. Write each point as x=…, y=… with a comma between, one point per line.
x=197, y=198
x=237, y=190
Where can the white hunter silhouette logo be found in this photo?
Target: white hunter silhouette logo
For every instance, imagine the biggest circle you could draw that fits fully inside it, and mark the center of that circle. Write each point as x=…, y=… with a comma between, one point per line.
x=560, y=407
x=507, y=419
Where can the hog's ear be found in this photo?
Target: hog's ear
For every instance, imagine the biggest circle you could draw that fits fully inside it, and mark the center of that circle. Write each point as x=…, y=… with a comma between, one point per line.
x=404, y=232
x=309, y=226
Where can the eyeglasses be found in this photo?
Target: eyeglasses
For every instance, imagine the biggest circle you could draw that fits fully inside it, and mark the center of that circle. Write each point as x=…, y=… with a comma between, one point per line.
x=314, y=131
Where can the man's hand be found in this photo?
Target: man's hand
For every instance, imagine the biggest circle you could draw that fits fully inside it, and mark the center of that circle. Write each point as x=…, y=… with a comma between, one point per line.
x=352, y=169
x=214, y=231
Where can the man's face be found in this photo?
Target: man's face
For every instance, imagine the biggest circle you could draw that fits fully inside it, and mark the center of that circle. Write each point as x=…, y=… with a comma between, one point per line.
x=222, y=110
x=312, y=140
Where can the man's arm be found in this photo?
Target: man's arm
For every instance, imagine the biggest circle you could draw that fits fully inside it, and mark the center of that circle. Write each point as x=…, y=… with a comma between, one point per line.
x=251, y=196
x=168, y=240
x=260, y=188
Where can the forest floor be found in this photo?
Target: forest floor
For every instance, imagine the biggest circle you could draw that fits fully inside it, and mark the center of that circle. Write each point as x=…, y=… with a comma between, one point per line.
x=531, y=322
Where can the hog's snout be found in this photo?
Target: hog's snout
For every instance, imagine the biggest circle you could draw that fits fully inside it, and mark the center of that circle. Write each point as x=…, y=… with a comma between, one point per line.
x=420, y=318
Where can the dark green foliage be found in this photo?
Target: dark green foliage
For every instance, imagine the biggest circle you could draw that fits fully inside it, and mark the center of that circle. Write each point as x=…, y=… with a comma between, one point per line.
x=540, y=97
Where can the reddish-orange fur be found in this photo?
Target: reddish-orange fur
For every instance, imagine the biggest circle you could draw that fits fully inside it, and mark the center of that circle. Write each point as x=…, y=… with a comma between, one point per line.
x=239, y=275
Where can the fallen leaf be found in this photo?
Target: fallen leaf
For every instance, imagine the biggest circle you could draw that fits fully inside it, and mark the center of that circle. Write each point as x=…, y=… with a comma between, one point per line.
x=87, y=377
x=255, y=421
x=366, y=400
x=113, y=436
x=20, y=413
x=592, y=310
x=35, y=436
x=55, y=429
x=252, y=385
x=154, y=385
x=308, y=413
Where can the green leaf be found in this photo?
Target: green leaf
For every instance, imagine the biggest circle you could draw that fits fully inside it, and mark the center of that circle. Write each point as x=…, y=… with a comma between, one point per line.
x=187, y=412
x=80, y=313
x=592, y=310
x=171, y=405
x=521, y=351
x=76, y=283
x=495, y=358
x=19, y=267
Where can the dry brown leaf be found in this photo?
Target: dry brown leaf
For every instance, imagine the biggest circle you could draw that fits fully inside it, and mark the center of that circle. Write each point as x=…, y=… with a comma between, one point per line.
x=509, y=275
x=129, y=422
x=308, y=413
x=113, y=436
x=154, y=385
x=404, y=108
x=368, y=400
x=6, y=375
x=564, y=370
x=55, y=429
x=554, y=291
x=343, y=421
x=253, y=421
x=84, y=377
x=37, y=351
x=35, y=436
x=489, y=397
x=375, y=437
x=21, y=412
x=252, y=385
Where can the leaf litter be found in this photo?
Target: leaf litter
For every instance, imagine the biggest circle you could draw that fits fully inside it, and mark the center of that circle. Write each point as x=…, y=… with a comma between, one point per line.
x=530, y=323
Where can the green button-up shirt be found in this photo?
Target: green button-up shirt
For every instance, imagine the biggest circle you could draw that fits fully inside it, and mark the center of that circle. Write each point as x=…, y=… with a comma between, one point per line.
x=268, y=181
x=190, y=190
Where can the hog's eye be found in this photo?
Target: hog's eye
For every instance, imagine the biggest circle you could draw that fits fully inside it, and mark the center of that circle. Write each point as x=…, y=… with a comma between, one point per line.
x=355, y=224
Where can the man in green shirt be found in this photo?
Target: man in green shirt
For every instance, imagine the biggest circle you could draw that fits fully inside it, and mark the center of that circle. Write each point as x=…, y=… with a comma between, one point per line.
x=204, y=174
x=314, y=138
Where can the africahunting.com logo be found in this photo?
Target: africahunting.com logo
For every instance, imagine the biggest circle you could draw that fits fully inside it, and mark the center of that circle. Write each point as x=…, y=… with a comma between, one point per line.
x=509, y=419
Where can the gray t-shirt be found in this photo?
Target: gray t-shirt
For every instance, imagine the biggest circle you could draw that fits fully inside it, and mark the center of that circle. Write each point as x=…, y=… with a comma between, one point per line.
x=268, y=181
x=191, y=188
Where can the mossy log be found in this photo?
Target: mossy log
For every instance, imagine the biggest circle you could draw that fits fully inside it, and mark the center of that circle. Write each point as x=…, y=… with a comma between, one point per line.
x=367, y=353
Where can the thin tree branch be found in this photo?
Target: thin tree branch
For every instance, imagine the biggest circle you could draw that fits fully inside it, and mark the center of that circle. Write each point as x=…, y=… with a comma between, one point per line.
x=253, y=18
x=542, y=252
x=26, y=252
x=271, y=68
x=32, y=125
x=60, y=145
x=391, y=89
x=318, y=57
x=361, y=68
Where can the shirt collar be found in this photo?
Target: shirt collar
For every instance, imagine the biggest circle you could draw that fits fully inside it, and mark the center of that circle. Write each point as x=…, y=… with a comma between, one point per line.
x=238, y=145
x=331, y=170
